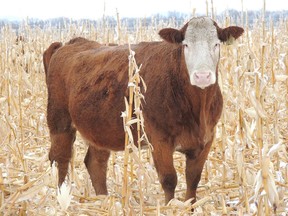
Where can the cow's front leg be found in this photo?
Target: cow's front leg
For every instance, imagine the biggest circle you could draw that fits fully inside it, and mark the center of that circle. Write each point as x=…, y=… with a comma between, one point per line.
x=194, y=167
x=163, y=160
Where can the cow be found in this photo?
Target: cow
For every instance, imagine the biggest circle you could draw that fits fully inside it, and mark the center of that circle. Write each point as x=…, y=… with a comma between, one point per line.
x=87, y=82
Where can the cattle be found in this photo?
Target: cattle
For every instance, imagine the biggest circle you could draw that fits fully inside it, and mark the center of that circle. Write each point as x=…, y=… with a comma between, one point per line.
x=87, y=82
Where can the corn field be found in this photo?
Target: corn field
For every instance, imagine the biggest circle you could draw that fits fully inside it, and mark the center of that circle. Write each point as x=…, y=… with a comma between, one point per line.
x=246, y=172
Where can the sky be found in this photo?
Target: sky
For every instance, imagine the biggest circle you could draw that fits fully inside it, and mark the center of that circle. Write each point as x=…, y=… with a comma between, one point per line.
x=94, y=9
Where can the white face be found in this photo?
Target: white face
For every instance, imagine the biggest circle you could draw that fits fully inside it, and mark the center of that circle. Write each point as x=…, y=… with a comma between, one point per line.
x=201, y=50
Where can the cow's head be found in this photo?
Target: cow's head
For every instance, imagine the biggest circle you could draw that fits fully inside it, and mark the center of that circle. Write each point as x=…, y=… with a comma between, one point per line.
x=201, y=39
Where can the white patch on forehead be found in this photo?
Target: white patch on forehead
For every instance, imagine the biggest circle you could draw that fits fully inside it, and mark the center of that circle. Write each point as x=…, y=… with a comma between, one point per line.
x=200, y=29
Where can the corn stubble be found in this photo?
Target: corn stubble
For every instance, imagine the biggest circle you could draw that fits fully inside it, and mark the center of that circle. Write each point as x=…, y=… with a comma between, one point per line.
x=247, y=169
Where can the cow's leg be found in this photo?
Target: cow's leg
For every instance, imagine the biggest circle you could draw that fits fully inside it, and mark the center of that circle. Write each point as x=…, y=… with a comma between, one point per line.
x=96, y=164
x=194, y=167
x=62, y=136
x=163, y=160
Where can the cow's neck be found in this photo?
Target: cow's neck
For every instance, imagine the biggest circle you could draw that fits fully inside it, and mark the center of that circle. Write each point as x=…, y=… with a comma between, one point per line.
x=201, y=102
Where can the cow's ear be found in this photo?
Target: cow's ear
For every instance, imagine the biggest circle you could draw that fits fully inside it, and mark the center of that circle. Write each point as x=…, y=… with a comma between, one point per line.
x=171, y=35
x=229, y=34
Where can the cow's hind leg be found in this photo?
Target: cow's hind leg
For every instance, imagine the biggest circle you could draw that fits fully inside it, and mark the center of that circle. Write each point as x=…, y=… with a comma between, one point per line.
x=194, y=167
x=62, y=136
x=96, y=164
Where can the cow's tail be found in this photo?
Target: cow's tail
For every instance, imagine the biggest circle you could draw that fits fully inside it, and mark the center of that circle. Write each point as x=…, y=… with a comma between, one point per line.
x=48, y=54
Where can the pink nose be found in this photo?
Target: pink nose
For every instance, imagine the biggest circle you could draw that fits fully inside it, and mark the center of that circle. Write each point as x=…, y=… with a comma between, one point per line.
x=202, y=78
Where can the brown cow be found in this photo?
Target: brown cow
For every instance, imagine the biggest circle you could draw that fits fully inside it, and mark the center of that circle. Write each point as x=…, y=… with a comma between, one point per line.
x=87, y=83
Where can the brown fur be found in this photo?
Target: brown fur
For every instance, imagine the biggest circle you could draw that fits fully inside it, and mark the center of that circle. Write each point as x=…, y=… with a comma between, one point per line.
x=48, y=53
x=173, y=35
x=86, y=85
x=226, y=33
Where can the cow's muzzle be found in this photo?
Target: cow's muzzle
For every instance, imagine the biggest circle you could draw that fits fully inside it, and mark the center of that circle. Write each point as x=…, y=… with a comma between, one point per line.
x=202, y=79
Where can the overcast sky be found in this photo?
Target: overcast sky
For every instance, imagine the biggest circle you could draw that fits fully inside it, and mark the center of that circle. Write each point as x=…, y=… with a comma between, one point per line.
x=94, y=9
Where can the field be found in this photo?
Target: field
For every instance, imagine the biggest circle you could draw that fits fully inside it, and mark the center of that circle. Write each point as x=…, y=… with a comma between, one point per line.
x=247, y=169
